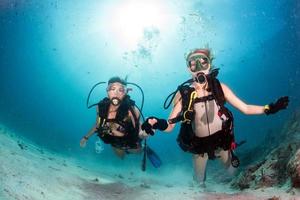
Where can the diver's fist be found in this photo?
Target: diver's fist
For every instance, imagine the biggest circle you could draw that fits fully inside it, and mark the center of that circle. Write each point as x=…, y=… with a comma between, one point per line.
x=161, y=124
x=147, y=127
x=280, y=104
x=154, y=123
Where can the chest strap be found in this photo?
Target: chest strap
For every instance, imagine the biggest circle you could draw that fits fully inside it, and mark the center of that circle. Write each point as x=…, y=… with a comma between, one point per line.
x=204, y=99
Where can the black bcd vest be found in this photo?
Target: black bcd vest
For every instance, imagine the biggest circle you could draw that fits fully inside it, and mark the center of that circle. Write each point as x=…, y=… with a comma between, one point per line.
x=131, y=137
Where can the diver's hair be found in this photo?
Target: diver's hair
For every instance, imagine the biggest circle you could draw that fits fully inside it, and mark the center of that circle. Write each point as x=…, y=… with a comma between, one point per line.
x=117, y=79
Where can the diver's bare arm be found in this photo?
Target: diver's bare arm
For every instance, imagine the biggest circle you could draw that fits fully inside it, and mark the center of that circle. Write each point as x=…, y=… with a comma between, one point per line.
x=142, y=134
x=85, y=138
x=175, y=111
x=93, y=129
x=239, y=104
x=91, y=132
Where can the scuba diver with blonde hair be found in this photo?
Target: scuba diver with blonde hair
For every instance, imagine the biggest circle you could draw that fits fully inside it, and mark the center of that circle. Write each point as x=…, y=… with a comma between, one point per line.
x=206, y=124
x=118, y=122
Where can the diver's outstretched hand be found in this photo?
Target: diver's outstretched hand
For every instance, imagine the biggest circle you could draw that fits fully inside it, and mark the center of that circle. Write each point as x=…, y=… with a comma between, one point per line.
x=154, y=123
x=280, y=104
x=83, y=142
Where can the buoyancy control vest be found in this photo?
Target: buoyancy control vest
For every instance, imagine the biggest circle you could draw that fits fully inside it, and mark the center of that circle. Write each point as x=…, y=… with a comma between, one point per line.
x=186, y=138
x=131, y=129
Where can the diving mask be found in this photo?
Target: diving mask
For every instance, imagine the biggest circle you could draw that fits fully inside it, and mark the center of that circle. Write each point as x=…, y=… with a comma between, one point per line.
x=198, y=63
x=116, y=92
x=117, y=88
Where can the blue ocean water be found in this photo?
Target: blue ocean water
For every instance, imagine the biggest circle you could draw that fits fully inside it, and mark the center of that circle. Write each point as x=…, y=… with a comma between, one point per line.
x=53, y=52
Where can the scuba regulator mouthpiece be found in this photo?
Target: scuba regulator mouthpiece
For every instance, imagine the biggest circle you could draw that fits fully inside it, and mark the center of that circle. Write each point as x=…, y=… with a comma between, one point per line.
x=201, y=78
x=115, y=101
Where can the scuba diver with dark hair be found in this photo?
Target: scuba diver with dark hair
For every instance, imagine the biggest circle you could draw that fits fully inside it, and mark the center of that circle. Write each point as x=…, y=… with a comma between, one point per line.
x=118, y=122
x=206, y=124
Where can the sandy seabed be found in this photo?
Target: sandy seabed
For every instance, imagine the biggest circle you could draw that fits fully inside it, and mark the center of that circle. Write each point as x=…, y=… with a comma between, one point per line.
x=30, y=172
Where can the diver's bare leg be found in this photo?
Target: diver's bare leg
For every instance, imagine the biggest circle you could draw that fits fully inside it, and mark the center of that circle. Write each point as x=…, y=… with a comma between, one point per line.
x=138, y=150
x=200, y=167
x=119, y=152
x=225, y=157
